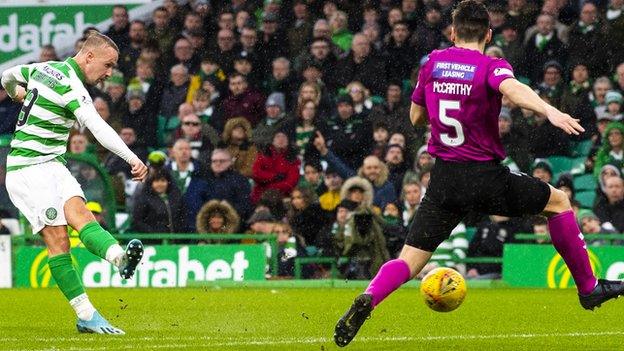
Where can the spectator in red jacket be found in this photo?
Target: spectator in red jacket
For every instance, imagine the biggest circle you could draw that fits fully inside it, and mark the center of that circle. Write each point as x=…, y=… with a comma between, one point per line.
x=277, y=167
x=243, y=101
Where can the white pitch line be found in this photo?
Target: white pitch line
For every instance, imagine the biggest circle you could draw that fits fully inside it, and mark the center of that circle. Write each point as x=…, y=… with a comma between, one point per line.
x=218, y=342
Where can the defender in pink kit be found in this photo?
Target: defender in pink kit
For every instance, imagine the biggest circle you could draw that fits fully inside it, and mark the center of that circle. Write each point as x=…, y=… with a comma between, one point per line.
x=459, y=93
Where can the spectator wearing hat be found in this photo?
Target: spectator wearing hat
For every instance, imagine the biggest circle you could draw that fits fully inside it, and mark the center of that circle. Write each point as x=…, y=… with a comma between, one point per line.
x=261, y=222
x=542, y=47
x=397, y=166
x=272, y=39
x=509, y=40
x=9, y=111
x=610, y=208
x=237, y=135
x=362, y=64
x=613, y=99
x=301, y=28
x=514, y=142
x=217, y=217
x=282, y=80
x=348, y=136
x=275, y=120
x=243, y=101
x=331, y=197
x=542, y=170
x=115, y=88
x=591, y=224
x=227, y=184
x=612, y=150
x=587, y=39
x=244, y=65
x=313, y=178
x=276, y=167
x=551, y=85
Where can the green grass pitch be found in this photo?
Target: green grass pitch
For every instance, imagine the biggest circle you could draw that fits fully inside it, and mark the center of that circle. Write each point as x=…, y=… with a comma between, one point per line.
x=303, y=319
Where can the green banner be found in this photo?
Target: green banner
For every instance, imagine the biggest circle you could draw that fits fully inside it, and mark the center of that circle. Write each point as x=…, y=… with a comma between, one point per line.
x=161, y=266
x=541, y=266
x=24, y=29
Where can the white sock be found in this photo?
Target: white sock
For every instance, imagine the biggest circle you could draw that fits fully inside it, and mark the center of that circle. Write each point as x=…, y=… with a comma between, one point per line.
x=114, y=254
x=83, y=307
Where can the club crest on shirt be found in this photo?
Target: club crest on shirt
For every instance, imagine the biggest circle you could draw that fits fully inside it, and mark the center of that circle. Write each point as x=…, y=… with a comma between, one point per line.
x=503, y=72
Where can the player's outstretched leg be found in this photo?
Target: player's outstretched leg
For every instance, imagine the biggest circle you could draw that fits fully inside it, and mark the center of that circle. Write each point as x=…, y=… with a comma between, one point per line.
x=102, y=244
x=567, y=239
x=67, y=279
x=389, y=278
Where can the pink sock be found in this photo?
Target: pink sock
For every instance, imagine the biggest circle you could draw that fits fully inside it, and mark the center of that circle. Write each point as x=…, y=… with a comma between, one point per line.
x=389, y=278
x=567, y=239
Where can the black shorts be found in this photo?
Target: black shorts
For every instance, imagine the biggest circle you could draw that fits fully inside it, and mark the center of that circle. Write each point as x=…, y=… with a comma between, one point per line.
x=457, y=188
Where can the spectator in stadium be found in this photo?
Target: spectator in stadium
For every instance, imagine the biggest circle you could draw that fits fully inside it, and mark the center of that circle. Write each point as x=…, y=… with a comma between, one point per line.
x=78, y=144
x=607, y=171
x=276, y=167
x=184, y=54
x=261, y=222
x=619, y=72
x=158, y=206
x=380, y=137
x=313, y=178
x=273, y=42
x=575, y=100
x=394, y=111
x=118, y=30
x=333, y=183
x=321, y=98
x=202, y=137
x=398, y=50
x=299, y=33
x=210, y=78
x=159, y=30
x=347, y=135
x=115, y=88
x=363, y=65
x=366, y=245
x=611, y=208
x=488, y=241
x=140, y=117
x=590, y=224
x=192, y=23
x=410, y=201
x=226, y=50
x=428, y=36
x=186, y=174
x=227, y=184
x=249, y=45
x=237, y=136
x=175, y=92
x=320, y=55
x=612, y=150
x=288, y=249
x=48, y=53
x=243, y=19
x=243, y=101
x=588, y=37
x=551, y=85
x=376, y=172
x=306, y=216
x=281, y=80
x=514, y=142
x=542, y=170
x=275, y=119
x=602, y=85
x=206, y=106
x=304, y=120
x=545, y=139
x=128, y=56
x=243, y=64
x=511, y=43
x=613, y=99
x=217, y=217
x=543, y=46
x=9, y=111
x=362, y=103
x=397, y=166
x=615, y=18
x=341, y=35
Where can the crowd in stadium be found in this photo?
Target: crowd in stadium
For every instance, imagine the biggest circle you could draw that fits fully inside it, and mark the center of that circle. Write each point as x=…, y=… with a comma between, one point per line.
x=292, y=117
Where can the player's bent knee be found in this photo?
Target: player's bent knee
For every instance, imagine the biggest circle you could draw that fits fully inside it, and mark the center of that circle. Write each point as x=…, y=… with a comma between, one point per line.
x=415, y=258
x=77, y=213
x=558, y=202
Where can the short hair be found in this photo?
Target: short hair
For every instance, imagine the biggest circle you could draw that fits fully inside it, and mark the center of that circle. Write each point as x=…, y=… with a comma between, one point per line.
x=97, y=39
x=471, y=21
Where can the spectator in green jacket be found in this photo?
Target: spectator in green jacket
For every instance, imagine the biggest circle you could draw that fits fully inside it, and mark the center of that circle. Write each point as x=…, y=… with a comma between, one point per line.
x=612, y=150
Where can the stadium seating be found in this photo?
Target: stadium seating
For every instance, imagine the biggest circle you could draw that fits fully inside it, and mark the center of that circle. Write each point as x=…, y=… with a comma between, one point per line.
x=586, y=198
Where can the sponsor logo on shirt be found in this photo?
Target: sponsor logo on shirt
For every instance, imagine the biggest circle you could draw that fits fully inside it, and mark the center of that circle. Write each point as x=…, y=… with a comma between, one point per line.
x=503, y=72
x=52, y=72
x=454, y=70
x=86, y=100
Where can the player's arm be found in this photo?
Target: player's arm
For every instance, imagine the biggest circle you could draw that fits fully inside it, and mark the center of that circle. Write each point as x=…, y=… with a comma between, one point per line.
x=418, y=115
x=14, y=81
x=523, y=96
x=88, y=116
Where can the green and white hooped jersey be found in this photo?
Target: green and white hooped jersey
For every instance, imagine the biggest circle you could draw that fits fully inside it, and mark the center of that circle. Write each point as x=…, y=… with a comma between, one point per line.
x=54, y=91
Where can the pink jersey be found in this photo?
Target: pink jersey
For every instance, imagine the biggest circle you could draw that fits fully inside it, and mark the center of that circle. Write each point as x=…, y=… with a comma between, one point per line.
x=459, y=88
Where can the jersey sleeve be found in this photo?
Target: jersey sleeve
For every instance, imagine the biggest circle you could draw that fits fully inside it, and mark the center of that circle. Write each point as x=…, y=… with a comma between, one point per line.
x=17, y=75
x=498, y=71
x=418, y=96
x=79, y=103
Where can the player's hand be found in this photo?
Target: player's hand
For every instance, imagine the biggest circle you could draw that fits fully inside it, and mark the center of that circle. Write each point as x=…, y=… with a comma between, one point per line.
x=20, y=94
x=139, y=170
x=564, y=121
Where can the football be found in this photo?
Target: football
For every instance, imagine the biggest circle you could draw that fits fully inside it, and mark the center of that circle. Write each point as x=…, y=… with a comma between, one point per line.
x=443, y=289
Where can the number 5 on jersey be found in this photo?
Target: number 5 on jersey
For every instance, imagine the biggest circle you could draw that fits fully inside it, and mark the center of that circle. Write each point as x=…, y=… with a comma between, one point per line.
x=29, y=101
x=446, y=105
